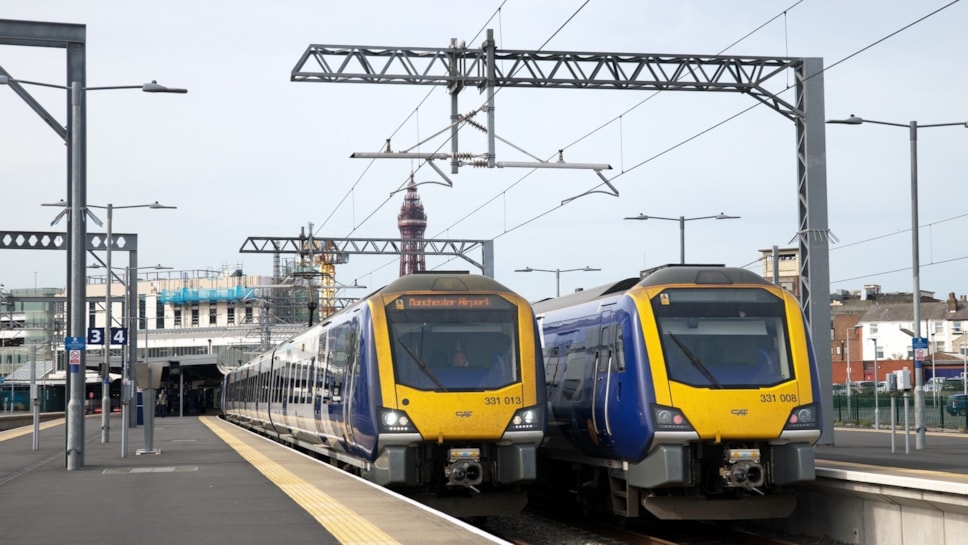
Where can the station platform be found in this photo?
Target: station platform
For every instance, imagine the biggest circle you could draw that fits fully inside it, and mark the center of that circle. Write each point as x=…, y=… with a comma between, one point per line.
x=944, y=453
x=212, y=483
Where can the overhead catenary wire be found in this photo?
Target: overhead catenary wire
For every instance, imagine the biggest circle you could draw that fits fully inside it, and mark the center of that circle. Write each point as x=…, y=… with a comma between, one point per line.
x=503, y=193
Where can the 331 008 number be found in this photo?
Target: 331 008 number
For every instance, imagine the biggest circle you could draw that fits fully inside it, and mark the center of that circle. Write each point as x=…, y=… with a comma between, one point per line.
x=782, y=398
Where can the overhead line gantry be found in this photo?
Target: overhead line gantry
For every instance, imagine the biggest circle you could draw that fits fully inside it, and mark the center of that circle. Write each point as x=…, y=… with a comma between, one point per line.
x=488, y=68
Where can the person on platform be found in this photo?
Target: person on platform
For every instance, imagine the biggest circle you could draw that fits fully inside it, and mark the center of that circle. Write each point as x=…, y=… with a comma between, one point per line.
x=162, y=404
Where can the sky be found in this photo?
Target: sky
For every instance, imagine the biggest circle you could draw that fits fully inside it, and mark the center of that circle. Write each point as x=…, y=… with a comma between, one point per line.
x=248, y=153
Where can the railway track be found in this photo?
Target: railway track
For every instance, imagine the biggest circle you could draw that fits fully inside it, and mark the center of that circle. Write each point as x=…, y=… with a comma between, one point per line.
x=548, y=527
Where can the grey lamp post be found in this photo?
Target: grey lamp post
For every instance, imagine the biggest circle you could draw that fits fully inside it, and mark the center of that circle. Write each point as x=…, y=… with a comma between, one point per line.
x=934, y=373
x=76, y=250
x=107, y=337
x=106, y=371
x=877, y=406
x=915, y=259
x=557, y=274
x=682, y=227
x=128, y=363
x=964, y=364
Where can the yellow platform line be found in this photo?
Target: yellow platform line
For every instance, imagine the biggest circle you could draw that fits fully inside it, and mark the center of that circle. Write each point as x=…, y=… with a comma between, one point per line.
x=24, y=430
x=346, y=525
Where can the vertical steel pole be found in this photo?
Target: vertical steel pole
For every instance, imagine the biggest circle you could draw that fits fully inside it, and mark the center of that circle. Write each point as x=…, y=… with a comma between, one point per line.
x=34, y=401
x=682, y=240
x=848, y=373
x=877, y=405
x=934, y=373
x=916, y=268
x=489, y=50
x=75, y=407
x=125, y=363
x=106, y=366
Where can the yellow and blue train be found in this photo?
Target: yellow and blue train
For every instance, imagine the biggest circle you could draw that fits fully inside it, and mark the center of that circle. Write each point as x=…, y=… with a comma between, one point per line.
x=691, y=392
x=380, y=389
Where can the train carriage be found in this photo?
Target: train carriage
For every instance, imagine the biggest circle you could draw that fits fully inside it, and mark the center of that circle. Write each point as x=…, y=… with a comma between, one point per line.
x=691, y=391
x=376, y=389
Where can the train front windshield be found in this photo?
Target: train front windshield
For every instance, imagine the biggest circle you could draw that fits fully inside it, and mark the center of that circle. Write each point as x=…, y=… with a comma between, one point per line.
x=723, y=338
x=454, y=342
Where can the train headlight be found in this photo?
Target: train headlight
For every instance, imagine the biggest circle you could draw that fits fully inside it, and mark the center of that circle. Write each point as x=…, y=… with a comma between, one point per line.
x=395, y=421
x=803, y=417
x=669, y=419
x=526, y=419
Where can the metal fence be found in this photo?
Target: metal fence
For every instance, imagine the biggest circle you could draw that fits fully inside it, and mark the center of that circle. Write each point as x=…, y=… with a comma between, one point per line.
x=862, y=407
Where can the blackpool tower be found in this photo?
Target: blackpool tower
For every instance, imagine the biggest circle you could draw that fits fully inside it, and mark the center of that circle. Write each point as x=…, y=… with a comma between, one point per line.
x=412, y=222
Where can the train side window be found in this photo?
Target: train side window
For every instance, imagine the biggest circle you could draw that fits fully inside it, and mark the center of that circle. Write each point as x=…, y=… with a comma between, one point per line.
x=551, y=366
x=573, y=373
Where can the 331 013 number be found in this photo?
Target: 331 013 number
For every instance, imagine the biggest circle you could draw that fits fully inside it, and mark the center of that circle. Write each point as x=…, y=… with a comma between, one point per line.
x=506, y=400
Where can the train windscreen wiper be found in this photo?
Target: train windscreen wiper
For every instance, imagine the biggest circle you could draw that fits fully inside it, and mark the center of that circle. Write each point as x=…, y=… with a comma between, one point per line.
x=695, y=361
x=423, y=367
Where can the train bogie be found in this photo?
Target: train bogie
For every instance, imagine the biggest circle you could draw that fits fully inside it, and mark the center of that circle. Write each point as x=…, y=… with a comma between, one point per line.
x=692, y=387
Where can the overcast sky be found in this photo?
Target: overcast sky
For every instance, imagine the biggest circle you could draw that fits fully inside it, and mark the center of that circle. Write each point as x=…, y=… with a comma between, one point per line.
x=248, y=153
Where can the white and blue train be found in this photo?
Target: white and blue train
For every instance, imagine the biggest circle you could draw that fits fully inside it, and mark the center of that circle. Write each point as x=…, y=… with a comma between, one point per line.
x=376, y=389
x=691, y=392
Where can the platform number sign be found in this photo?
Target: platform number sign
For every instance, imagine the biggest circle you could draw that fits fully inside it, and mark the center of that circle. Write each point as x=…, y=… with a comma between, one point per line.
x=95, y=335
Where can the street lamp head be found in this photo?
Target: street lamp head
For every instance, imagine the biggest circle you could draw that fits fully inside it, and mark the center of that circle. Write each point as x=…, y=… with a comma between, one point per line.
x=639, y=217
x=156, y=206
x=590, y=269
x=852, y=120
x=724, y=216
x=526, y=269
x=155, y=87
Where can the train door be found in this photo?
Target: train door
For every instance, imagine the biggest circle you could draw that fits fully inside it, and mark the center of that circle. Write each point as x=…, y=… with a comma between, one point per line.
x=602, y=380
x=352, y=370
x=339, y=356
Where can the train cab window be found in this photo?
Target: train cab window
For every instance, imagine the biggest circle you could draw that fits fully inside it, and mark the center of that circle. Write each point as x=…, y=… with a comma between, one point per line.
x=427, y=333
x=724, y=338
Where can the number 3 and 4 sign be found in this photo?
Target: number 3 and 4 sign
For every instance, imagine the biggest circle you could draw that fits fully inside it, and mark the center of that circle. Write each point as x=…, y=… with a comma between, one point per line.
x=95, y=335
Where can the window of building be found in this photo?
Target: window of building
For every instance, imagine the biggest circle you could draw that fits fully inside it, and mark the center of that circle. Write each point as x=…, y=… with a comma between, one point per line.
x=873, y=329
x=939, y=327
x=91, y=312
x=212, y=314
x=160, y=315
x=178, y=319
x=195, y=316
x=956, y=327
x=230, y=315
x=142, y=311
x=248, y=315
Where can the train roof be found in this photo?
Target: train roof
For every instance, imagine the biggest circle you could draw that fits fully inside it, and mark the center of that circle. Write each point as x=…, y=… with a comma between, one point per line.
x=699, y=274
x=444, y=281
x=584, y=296
x=665, y=274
